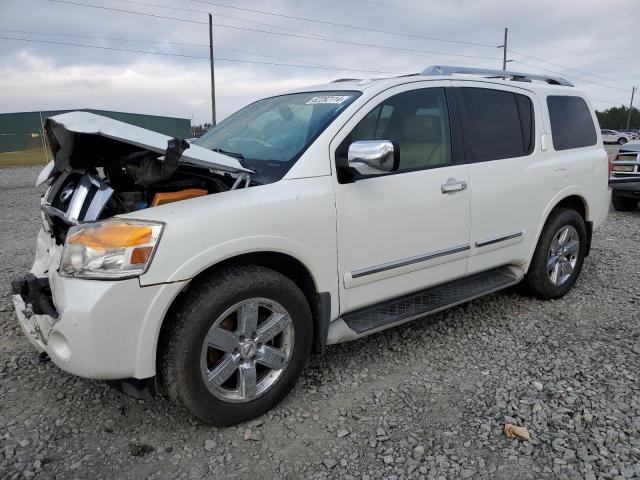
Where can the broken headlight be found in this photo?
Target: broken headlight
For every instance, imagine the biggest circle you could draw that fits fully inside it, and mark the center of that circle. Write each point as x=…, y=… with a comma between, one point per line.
x=112, y=249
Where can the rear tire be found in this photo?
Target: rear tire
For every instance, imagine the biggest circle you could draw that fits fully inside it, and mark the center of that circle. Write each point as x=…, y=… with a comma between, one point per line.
x=219, y=356
x=624, y=204
x=557, y=260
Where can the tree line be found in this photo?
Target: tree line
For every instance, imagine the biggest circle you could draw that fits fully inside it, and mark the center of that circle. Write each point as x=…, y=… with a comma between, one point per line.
x=615, y=118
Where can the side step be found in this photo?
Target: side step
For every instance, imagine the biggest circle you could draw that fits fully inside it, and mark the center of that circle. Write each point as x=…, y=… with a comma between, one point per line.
x=432, y=300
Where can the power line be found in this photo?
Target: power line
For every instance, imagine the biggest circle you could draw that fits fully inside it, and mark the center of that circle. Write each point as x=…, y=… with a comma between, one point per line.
x=266, y=24
x=214, y=14
x=343, y=25
x=569, y=68
x=305, y=19
x=572, y=76
x=310, y=37
x=324, y=67
x=466, y=22
x=495, y=27
x=154, y=15
x=602, y=100
x=53, y=42
x=554, y=45
x=428, y=14
x=323, y=38
x=334, y=39
x=163, y=43
x=96, y=37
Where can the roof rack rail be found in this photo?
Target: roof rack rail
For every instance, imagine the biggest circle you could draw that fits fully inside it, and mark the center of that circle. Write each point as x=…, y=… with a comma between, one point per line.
x=516, y=76
x=338, y=80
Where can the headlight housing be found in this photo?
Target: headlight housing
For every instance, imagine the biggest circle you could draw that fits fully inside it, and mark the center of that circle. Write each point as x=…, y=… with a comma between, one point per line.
x=113, y=249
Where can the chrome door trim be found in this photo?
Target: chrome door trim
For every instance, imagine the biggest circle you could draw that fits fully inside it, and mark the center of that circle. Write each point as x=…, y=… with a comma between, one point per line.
x=501, y=238
x=361, y=272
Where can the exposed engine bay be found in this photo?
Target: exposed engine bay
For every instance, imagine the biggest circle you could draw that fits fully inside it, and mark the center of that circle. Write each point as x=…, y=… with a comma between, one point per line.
x=103, y=168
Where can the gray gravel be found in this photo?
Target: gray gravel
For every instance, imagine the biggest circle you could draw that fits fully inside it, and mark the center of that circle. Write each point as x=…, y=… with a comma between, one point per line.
x=426, y=400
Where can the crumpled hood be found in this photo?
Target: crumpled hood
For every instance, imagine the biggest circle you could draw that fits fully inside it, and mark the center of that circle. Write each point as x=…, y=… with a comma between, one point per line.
x=92, y=124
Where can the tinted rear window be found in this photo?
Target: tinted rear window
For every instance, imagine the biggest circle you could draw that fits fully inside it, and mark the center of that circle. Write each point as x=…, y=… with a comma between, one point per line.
x=571, y=122
x=496, y=124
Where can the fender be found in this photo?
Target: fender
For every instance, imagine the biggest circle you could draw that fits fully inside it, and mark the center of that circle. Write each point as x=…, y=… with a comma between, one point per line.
x=254, y=244
x=152, y=324
x=572, y=190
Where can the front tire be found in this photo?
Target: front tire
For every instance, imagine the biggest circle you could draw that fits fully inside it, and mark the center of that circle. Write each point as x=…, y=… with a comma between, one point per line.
x=622, y=141
x=236, y=345
x=623, y=204
x=559, y=255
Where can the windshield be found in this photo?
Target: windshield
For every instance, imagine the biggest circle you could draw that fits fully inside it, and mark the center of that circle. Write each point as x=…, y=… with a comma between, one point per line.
x=277, y=129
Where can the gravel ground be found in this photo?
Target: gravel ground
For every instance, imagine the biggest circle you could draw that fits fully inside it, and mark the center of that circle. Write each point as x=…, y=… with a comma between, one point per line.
x=428, y=399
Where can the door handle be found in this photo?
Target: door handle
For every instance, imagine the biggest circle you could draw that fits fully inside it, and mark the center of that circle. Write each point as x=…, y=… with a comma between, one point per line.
x=453, y=185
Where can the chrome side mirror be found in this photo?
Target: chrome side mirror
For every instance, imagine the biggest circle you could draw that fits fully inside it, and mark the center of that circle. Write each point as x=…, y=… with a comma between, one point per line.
x=373, y=157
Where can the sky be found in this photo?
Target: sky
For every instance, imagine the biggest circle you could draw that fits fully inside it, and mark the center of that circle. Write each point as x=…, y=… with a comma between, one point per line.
x=593, y=43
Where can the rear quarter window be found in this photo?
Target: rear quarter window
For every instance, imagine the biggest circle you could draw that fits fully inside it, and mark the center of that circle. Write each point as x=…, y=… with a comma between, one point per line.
x=571, y=122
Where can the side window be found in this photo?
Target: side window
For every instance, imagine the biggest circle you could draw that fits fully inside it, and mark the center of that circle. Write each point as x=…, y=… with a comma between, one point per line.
x=496, y=124
x=571, y=122
x=417, y=120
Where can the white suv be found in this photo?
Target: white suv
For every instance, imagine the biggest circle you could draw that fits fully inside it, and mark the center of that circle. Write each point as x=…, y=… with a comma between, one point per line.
x=213, y=270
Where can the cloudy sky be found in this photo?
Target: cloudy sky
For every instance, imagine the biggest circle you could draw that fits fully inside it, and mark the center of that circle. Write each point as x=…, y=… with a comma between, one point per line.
x=591, y=42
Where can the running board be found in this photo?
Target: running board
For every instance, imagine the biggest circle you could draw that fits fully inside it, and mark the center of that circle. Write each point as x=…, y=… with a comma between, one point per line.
x=403, y=309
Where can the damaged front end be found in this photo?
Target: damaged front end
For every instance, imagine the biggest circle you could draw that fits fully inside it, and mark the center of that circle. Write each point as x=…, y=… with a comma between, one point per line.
x=103, y=167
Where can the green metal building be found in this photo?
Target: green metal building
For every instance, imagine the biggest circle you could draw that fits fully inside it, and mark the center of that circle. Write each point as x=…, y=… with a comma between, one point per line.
x=23, y=131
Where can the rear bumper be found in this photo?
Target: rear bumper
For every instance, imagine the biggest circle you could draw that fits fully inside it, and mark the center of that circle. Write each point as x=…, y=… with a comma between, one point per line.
x=625, y=186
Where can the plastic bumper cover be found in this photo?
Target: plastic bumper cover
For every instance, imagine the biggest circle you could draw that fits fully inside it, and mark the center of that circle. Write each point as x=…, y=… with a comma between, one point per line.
x=104, y=330
x=626, y=186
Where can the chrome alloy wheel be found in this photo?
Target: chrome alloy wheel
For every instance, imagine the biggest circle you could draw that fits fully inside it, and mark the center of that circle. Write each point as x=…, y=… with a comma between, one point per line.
x=563, y=255
x=246, y=350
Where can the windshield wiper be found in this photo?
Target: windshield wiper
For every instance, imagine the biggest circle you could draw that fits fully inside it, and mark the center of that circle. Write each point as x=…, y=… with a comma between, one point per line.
x=226, y=152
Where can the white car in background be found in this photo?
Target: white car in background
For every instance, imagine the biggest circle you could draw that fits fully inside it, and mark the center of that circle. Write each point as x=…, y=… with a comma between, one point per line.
x=613, y=136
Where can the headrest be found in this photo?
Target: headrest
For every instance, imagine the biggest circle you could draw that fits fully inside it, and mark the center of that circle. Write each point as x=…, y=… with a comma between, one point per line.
x=423, y=129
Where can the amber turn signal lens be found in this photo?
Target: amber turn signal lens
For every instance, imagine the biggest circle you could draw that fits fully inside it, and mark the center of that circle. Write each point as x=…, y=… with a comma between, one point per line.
x=169, y=197
x=140, y=255
x=112, y=236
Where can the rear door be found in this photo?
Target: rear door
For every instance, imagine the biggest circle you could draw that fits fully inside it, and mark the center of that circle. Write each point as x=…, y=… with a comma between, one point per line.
x=400, y=232
x=508, y=174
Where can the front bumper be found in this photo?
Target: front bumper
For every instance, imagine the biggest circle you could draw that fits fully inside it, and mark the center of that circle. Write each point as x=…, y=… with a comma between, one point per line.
x=104, y=330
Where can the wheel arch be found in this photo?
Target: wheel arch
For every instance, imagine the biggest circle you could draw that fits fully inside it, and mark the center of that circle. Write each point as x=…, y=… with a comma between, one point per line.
x=287, y=265
x=570, y=200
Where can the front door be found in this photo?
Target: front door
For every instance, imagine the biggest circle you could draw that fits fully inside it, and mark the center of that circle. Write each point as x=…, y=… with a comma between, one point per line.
x=407, y=230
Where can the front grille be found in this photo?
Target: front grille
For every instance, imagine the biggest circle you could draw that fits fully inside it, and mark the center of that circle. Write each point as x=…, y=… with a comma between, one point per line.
x=77, y=198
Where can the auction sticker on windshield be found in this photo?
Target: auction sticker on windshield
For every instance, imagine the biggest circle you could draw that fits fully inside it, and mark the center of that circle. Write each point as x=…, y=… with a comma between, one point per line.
x=329, y=99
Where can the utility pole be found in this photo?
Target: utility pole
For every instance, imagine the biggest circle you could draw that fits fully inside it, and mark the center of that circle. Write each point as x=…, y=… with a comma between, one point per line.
x=504, y=50
x=213, y=82
x=633, y=90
